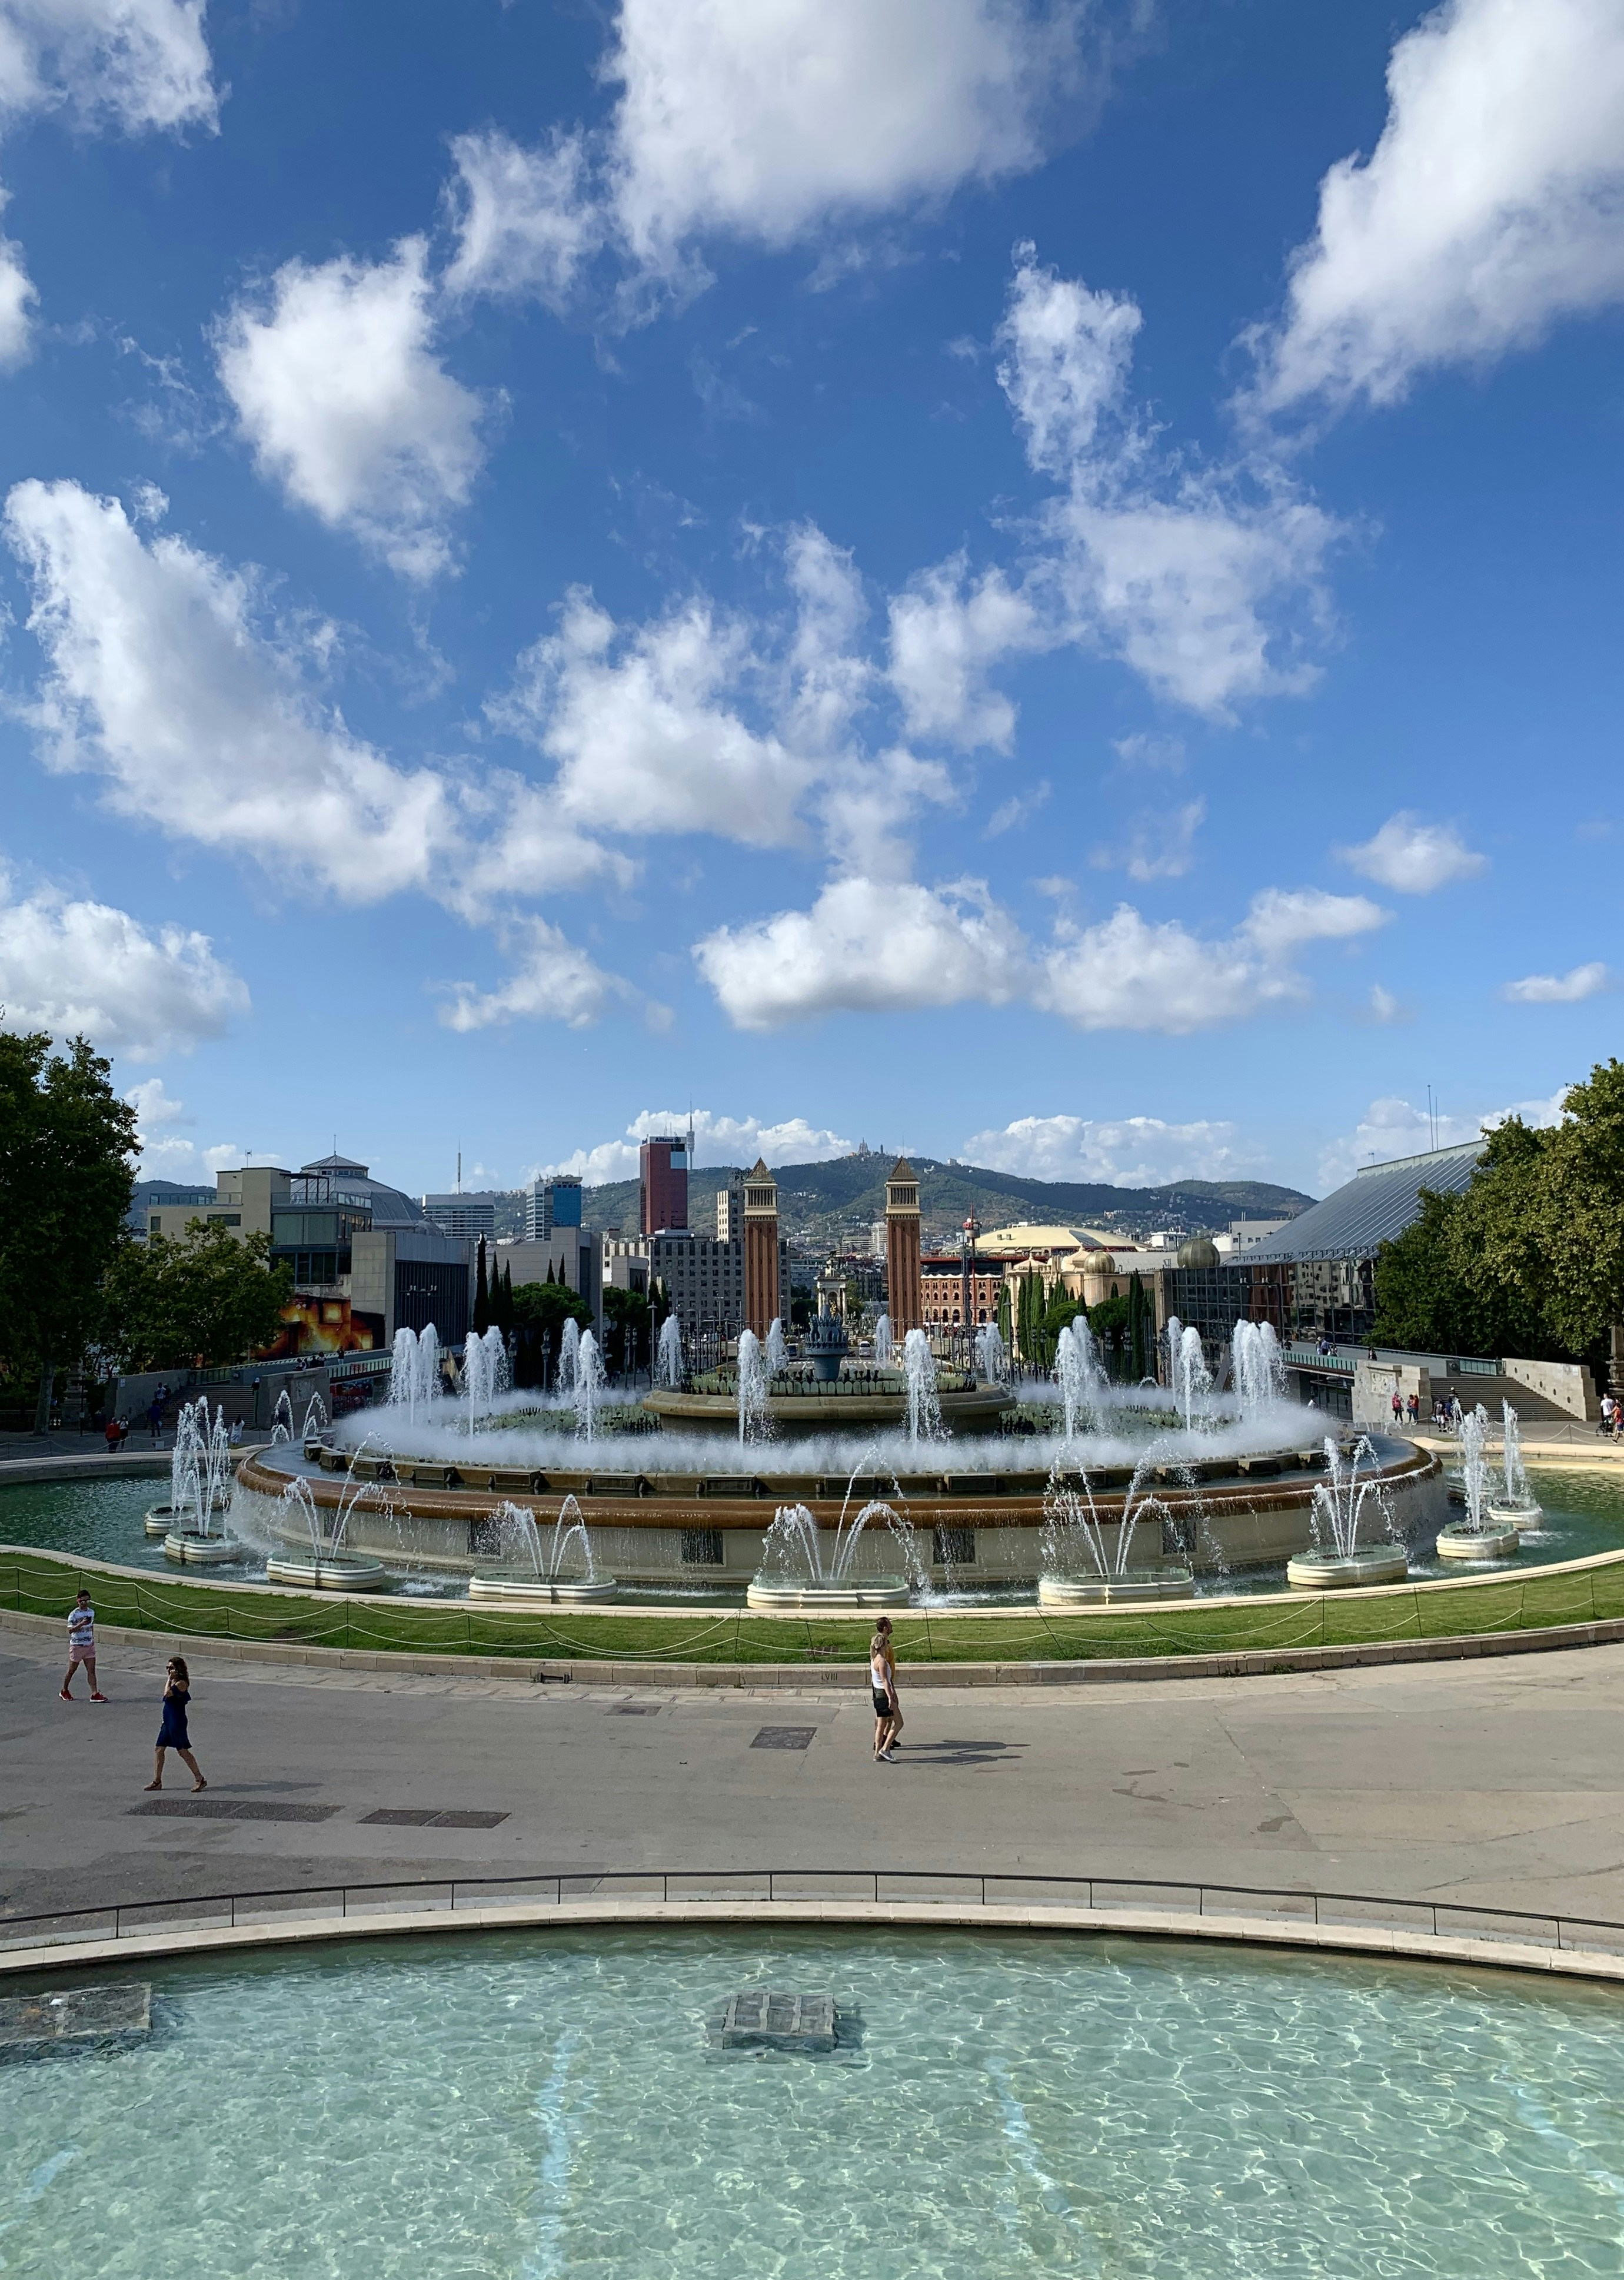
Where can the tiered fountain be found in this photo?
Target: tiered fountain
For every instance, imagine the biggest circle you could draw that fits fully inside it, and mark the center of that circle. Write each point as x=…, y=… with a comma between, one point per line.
x=1479, y=1536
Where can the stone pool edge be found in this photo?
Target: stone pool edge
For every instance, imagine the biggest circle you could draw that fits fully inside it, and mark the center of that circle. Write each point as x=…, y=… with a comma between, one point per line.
x=1392, y=1943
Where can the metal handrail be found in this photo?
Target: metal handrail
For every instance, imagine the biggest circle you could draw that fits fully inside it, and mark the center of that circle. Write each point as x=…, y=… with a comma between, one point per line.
x=983, y=1887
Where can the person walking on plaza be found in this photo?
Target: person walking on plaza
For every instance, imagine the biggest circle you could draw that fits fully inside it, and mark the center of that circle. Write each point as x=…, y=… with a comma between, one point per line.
x=81, y=1647
x=172, y=1734
x=882, y=1681
x=1398, y=1407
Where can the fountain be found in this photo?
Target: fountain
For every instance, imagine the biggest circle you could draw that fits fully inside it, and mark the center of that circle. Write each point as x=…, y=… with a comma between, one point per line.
x=754, y=1415
x=281, y=1419
x=414, y=1371
x=1078, y=1371
x=1516, y=1503
x=1479, y=1536
x=777, y=1353
x=569, y=1357
x=486, y=1372
x=561, y=1572
x=329, y=1567
x=1078, y=1570
x=1338, y=1561
x=1258, y=1366
x=589, y=1380
x=1187, y=1375
x=668, y=1365
x=728, y=1447
x=924, y=1407
x=316, y=1421
x=193, y=1523
x=797, y=1572
x=884, y=1348
x=991, y=1361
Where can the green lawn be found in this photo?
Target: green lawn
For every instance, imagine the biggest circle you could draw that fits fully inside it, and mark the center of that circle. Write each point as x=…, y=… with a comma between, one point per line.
x=39, y=1584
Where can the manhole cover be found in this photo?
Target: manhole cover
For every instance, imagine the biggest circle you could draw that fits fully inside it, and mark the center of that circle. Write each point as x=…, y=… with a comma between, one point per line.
x=74, y=2016
x=428, y=1816
x=784, y=1737
x=233, y=1808
x=636, y=1710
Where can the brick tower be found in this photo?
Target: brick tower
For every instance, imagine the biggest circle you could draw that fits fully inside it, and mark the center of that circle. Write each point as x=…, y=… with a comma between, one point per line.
x=904, y=1298
x=761, y=1297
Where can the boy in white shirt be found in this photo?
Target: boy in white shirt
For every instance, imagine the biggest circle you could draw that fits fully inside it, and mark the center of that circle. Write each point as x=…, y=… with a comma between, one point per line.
x=81, y=1647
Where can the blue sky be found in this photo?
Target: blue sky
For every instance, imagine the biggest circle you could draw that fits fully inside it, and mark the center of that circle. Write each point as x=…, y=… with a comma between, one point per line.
x=1030, y=581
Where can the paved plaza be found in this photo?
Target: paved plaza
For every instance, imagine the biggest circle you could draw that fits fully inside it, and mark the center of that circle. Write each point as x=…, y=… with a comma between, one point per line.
x=1499, y=1782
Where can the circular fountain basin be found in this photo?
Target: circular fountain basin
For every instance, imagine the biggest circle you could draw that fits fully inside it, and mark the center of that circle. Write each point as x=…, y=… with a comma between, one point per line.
x=1337, y=1571
x=851, y=1592
x=1115, y=1591
x=1516, y=1516
x=1498, y=1540
x=530, y=1590
x=189, y=1547
x=344, y=1573
x=159, y=1520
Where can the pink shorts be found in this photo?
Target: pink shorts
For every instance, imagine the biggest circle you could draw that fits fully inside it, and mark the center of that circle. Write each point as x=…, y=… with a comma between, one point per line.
x=80, y=1653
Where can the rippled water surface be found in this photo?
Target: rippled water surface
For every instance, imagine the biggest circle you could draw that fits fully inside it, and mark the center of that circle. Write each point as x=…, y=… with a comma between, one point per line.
x=547, y=2106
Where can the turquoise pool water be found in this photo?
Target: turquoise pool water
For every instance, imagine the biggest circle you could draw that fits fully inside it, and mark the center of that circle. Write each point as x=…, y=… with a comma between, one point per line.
x=101, y=1520
x=547, y=2106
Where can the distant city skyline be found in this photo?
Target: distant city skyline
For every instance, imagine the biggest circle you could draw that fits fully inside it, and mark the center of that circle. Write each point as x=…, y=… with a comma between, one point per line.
x=1047, y=586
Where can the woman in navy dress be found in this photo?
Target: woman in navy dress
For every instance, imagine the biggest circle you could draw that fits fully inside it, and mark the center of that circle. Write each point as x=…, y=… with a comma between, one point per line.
x=171, y=1735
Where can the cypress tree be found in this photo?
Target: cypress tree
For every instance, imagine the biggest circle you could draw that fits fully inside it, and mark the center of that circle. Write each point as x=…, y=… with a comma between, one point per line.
x=482, y=1296
x=507, y=1299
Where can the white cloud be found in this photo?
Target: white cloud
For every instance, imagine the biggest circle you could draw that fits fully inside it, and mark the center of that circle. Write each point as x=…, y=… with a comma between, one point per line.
x=157, y=680
x=162, y=1123
x=1412, y=856
x=717, y=1140
x=1204, y=579
x=1384, y=1007
x=17, y=299
x=1159, y=755
x=943, y=641
x=866, y=946
x=527, y=221
x=338, y=388
x=1125, y=973
x=131, y=64
x=1282, y=919
x=644, y=730
x=71, y=965
x=1133, y=1152
x=1489, y=208
x=554, y=980
x=1567, y=988
x=1392, y=1128
x=1016, y=810
x=1162, y=846
x=760, y=122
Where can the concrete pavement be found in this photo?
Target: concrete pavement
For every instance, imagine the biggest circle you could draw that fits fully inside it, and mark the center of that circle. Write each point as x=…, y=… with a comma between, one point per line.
x=1500, y=1782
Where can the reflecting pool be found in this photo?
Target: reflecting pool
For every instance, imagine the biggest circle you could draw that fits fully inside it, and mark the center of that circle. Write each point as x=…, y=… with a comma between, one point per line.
x=549, y=2105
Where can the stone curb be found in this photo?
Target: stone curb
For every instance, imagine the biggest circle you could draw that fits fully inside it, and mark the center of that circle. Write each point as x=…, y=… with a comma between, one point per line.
x=1385, y=1941
x=1252, y=1662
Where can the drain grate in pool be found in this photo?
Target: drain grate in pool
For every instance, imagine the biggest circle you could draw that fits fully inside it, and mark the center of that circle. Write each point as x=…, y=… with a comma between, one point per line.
x=765, y=2019
x=74, y=2017
x=784, y=1737
x=233, y=1808
x=428, y=1816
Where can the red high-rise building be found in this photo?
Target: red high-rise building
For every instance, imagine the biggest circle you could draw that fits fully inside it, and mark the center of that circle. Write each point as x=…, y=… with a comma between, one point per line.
x=663, y=1165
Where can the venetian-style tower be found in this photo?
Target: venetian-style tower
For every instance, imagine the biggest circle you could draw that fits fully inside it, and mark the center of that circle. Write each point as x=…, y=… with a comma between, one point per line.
x=761, y=1296
x=905, y=1297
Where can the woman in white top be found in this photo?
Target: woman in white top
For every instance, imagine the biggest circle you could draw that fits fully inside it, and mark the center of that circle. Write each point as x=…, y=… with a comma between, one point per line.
x=883, y=1679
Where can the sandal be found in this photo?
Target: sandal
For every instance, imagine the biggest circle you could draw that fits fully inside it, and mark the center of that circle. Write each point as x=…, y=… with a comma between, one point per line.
x=155, y=1784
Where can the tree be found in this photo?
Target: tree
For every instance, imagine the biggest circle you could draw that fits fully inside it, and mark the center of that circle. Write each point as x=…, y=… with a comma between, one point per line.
x=67, y=1143
x=507, y=1298
x=540, y=1311
x=214, y=1296
x=482, y=1296
x=1578, y=1189
x=1139, y=1332
x=626, y=1329
x=1109, y=1323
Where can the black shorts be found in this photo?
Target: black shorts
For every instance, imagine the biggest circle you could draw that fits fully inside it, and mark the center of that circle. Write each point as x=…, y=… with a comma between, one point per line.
x=882, y=1703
